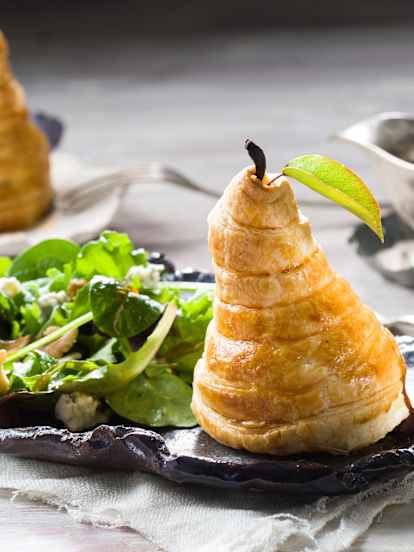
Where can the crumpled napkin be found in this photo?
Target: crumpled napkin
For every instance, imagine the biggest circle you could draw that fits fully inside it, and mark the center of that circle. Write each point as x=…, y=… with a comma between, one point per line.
x=190, y=518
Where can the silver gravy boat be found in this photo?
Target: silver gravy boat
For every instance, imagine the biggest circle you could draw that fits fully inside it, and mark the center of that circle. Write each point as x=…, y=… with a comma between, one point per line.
x=389, y=139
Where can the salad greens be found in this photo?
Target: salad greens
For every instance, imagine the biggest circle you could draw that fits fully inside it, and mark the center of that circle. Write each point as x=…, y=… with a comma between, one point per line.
x=111, y=255
x=120, y=312
x=156, y=398
x=5, y=264
x=184, y=344
x=35, y=262
x=94, y=376
x=101, y=321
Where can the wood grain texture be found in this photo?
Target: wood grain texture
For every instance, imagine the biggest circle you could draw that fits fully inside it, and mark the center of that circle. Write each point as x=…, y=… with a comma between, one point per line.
x=190, y=103
x=33, y=526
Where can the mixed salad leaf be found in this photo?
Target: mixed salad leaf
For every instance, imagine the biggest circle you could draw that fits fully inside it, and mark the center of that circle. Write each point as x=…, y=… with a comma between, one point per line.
x=117, y=311
x=102, y=330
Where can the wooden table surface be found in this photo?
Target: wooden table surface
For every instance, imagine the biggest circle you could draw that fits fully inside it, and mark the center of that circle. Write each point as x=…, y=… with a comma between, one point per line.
x=190, y=104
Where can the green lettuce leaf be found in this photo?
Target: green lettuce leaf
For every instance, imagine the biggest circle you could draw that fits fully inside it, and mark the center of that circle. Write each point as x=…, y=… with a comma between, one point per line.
x=34, y=262
x=27, y=373
x=185, y=343
x=119, y=312
x=5, y=264
x=111, y=255
x=157, y=400
x=19, y=315
x=81, y=305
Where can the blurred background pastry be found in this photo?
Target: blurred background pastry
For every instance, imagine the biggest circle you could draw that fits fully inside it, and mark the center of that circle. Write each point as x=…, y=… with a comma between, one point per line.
x=25, y=189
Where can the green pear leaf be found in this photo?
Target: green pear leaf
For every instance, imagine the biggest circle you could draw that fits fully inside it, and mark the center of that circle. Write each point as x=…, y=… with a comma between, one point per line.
x=338, y=183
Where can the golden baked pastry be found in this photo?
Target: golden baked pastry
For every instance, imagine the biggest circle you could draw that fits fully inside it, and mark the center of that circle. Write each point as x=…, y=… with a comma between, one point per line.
x=25, y=190
x=293, y=360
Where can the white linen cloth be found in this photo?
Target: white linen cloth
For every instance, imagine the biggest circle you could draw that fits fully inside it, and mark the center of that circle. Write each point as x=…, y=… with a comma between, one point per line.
x=197, y=519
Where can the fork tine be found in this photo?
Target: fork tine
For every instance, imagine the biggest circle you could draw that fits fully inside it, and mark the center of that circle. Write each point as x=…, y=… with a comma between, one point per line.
x=144, y=172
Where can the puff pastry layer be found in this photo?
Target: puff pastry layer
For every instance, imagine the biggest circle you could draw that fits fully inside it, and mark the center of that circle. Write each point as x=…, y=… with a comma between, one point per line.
x=293, y=360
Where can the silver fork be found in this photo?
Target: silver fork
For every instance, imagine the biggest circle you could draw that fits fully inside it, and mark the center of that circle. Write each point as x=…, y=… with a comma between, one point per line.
x=81, y=196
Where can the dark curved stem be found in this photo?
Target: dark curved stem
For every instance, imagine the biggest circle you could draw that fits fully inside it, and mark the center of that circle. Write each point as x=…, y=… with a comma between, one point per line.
x=258, y=157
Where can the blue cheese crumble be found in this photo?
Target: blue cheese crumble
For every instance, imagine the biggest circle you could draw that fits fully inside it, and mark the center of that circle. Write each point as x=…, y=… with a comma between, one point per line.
x=52, y=299
x=10, y=286
x=149, y=276
x=79, y=411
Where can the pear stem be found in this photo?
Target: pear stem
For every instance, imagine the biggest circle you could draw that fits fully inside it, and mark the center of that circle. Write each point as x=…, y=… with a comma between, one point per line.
x=258, y=157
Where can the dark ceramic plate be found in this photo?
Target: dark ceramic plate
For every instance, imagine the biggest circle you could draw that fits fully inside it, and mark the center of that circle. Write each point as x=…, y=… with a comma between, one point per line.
x=190, y=456
x=51, y=126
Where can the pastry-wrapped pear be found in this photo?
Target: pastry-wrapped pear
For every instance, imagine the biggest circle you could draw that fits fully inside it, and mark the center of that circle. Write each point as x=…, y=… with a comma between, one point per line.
x=25, y=190
x=293, y=360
